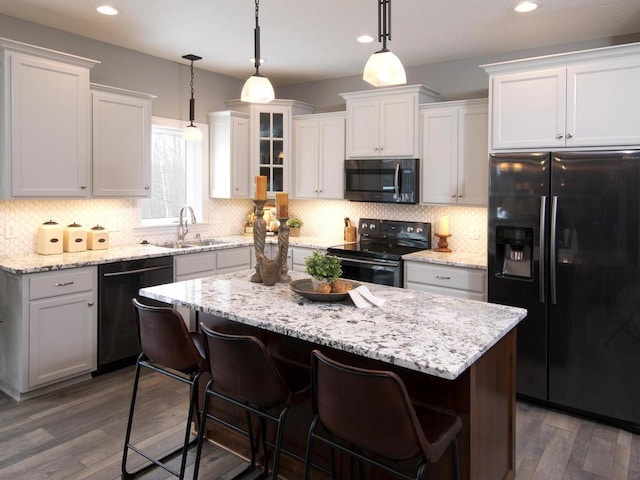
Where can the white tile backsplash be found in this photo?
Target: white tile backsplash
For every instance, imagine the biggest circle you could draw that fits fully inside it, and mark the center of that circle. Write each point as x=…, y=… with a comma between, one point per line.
x=322, y=218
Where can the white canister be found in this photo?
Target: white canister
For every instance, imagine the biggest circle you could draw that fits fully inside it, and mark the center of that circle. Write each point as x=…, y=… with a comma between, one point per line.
x=49, y=241
x=74, y=238
x=97, y=238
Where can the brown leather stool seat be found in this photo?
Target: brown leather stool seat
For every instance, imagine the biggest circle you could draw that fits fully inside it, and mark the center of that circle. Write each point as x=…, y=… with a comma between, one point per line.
x=170, y=349
x=244, y=374
x=368, y=415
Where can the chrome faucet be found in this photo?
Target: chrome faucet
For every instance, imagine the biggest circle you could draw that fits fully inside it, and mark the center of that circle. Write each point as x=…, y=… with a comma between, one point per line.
x=183, y=229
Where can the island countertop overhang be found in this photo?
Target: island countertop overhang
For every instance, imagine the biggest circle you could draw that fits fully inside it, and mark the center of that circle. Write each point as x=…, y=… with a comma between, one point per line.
x=433, y=334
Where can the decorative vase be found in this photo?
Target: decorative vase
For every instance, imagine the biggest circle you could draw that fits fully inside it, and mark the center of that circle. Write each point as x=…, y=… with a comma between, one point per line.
x=294, y=231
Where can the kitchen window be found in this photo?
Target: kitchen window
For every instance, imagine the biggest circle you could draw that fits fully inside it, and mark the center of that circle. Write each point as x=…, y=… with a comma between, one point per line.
x=178, y=177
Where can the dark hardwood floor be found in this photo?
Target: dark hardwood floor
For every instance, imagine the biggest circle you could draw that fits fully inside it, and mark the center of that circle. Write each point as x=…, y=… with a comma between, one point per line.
x=77, y=433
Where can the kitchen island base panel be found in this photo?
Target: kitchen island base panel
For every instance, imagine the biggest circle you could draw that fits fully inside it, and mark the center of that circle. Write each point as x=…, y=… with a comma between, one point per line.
x=483, y=397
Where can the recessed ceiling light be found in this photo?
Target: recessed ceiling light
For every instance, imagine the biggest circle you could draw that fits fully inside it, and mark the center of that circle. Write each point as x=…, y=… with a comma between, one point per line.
x=365, y=39
x=107, y=10
x=526, y=6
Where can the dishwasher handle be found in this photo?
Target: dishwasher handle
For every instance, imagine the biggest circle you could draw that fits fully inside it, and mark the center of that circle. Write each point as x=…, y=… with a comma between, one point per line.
x=137, y=270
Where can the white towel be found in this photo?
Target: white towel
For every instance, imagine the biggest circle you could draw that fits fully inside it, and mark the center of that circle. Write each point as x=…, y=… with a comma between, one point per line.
x=363, y=298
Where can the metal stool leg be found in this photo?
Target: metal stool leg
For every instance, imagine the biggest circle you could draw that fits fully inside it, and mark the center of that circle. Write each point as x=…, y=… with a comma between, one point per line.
x=126, y=475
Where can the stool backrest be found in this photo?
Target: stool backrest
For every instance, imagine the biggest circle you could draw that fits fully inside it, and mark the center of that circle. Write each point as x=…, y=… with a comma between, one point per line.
x=241, y=366
x=369, y=409
x=165, y=339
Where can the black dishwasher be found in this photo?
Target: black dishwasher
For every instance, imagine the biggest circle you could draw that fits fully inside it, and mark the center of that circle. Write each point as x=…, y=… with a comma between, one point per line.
x=118, y=283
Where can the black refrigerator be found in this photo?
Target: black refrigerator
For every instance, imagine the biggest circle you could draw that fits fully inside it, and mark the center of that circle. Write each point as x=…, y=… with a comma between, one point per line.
x=564, y=243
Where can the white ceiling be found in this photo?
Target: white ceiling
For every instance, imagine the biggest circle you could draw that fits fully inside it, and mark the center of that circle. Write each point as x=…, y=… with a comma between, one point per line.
x=306, y=40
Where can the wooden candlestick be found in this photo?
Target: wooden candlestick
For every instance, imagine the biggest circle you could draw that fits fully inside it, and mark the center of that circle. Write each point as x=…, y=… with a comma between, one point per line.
x=443, y=245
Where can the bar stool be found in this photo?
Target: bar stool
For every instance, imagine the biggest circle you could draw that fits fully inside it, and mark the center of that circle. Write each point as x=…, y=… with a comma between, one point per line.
x=244, y=374
x=368, y=415
x=170, y=349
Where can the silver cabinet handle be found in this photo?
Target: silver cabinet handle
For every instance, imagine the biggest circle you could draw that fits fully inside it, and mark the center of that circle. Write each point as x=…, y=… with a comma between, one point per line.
x=559, y=136
x=569, y=135
x=82, y=187
x=147, y=187
x=90, y=304
x=442, y=277
x=63, y=284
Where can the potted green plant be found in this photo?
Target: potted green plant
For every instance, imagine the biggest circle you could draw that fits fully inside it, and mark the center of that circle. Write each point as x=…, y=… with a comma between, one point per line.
x=323, y=268
x=294, y=225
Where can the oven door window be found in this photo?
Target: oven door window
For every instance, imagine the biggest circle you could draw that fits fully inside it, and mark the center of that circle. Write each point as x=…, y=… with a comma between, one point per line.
x=366, y=272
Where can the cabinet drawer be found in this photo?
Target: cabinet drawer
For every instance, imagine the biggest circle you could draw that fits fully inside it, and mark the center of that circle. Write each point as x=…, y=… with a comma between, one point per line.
x=61, y=283
x=442, y=276
x=195, y=262
x=233, y=258
x=299, y=255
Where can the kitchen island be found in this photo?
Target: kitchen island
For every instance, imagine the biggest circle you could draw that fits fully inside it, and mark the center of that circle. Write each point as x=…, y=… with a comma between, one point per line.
x=455, y=353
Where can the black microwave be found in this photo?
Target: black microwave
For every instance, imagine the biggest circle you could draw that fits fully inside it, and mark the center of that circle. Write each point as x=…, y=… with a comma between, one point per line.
x=383, y=180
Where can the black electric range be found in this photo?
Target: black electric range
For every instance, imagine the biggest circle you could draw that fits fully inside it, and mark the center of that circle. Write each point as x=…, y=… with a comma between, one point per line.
x=377, y=257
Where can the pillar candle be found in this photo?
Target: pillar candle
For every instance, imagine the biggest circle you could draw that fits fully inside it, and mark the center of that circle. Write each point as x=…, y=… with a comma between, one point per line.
x=443, y=226
x=282, y=205
x=261, y=188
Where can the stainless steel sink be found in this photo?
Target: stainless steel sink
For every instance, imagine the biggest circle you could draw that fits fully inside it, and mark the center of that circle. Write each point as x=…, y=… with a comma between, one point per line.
x=192, y=243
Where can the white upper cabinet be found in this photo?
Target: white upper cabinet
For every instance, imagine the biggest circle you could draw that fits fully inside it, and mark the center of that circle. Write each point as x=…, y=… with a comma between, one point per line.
x=45, y=119
x=270, y=139
x=121, y=142
x=455, y=153
x=581, y=99
x=384, y=122
x=318, y=155
x=230, y=160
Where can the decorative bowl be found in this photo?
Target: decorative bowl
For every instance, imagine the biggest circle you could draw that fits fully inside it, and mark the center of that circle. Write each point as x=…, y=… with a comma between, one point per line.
x=304, y=288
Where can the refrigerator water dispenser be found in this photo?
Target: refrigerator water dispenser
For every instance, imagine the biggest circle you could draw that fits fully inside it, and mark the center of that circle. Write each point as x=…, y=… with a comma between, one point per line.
x=514, y=247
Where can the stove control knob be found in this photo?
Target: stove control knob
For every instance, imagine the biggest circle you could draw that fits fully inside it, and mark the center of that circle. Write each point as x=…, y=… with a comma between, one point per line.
x=409, y=229
x=364, y=226
x=419, y=230
x=372, y=226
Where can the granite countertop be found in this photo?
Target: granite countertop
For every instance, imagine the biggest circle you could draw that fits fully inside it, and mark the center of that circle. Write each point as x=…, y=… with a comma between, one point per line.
x=33, y=263
x=433, y=334
x=457, y=259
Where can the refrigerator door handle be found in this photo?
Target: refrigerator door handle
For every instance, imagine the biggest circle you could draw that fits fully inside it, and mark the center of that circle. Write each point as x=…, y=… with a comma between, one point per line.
x=543, y=234
x=552, y=248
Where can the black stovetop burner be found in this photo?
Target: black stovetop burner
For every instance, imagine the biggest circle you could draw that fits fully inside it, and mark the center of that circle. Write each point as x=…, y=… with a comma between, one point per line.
x=387, y=239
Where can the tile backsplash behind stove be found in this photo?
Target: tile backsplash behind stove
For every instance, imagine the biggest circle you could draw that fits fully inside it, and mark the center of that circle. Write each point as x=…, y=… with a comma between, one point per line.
x=19, y=219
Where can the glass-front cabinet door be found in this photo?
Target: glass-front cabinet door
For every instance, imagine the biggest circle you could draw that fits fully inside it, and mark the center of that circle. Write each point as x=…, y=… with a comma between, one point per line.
x=272, y=157
x=271, y=139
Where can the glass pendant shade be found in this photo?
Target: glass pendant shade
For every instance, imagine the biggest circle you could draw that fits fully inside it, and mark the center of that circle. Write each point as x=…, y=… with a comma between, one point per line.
x=191, y=132
x=384, y=68
x=257, y=89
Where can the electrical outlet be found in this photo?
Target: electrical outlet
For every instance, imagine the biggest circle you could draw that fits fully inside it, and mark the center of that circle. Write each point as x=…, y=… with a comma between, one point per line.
x=10, y=230
x=475, y=233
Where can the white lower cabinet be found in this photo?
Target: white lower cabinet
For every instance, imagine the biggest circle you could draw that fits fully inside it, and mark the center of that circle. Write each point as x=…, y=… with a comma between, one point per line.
x=298, y=257
x=271, y=250
x=203, y=264
x=445, y=280
x=49, y=329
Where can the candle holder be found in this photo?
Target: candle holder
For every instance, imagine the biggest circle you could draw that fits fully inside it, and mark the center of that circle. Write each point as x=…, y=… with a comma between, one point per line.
x=259, y=235
x=269, y=271
x=443, y=245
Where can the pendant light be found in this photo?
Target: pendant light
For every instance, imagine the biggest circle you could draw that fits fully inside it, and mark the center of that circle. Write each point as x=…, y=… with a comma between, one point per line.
x=383, y=68
x=257, y=89
x=192, y=132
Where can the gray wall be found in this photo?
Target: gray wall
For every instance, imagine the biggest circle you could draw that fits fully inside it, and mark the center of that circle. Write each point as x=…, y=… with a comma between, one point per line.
x=455, y=80
x=120, y=67
x=132, y=70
